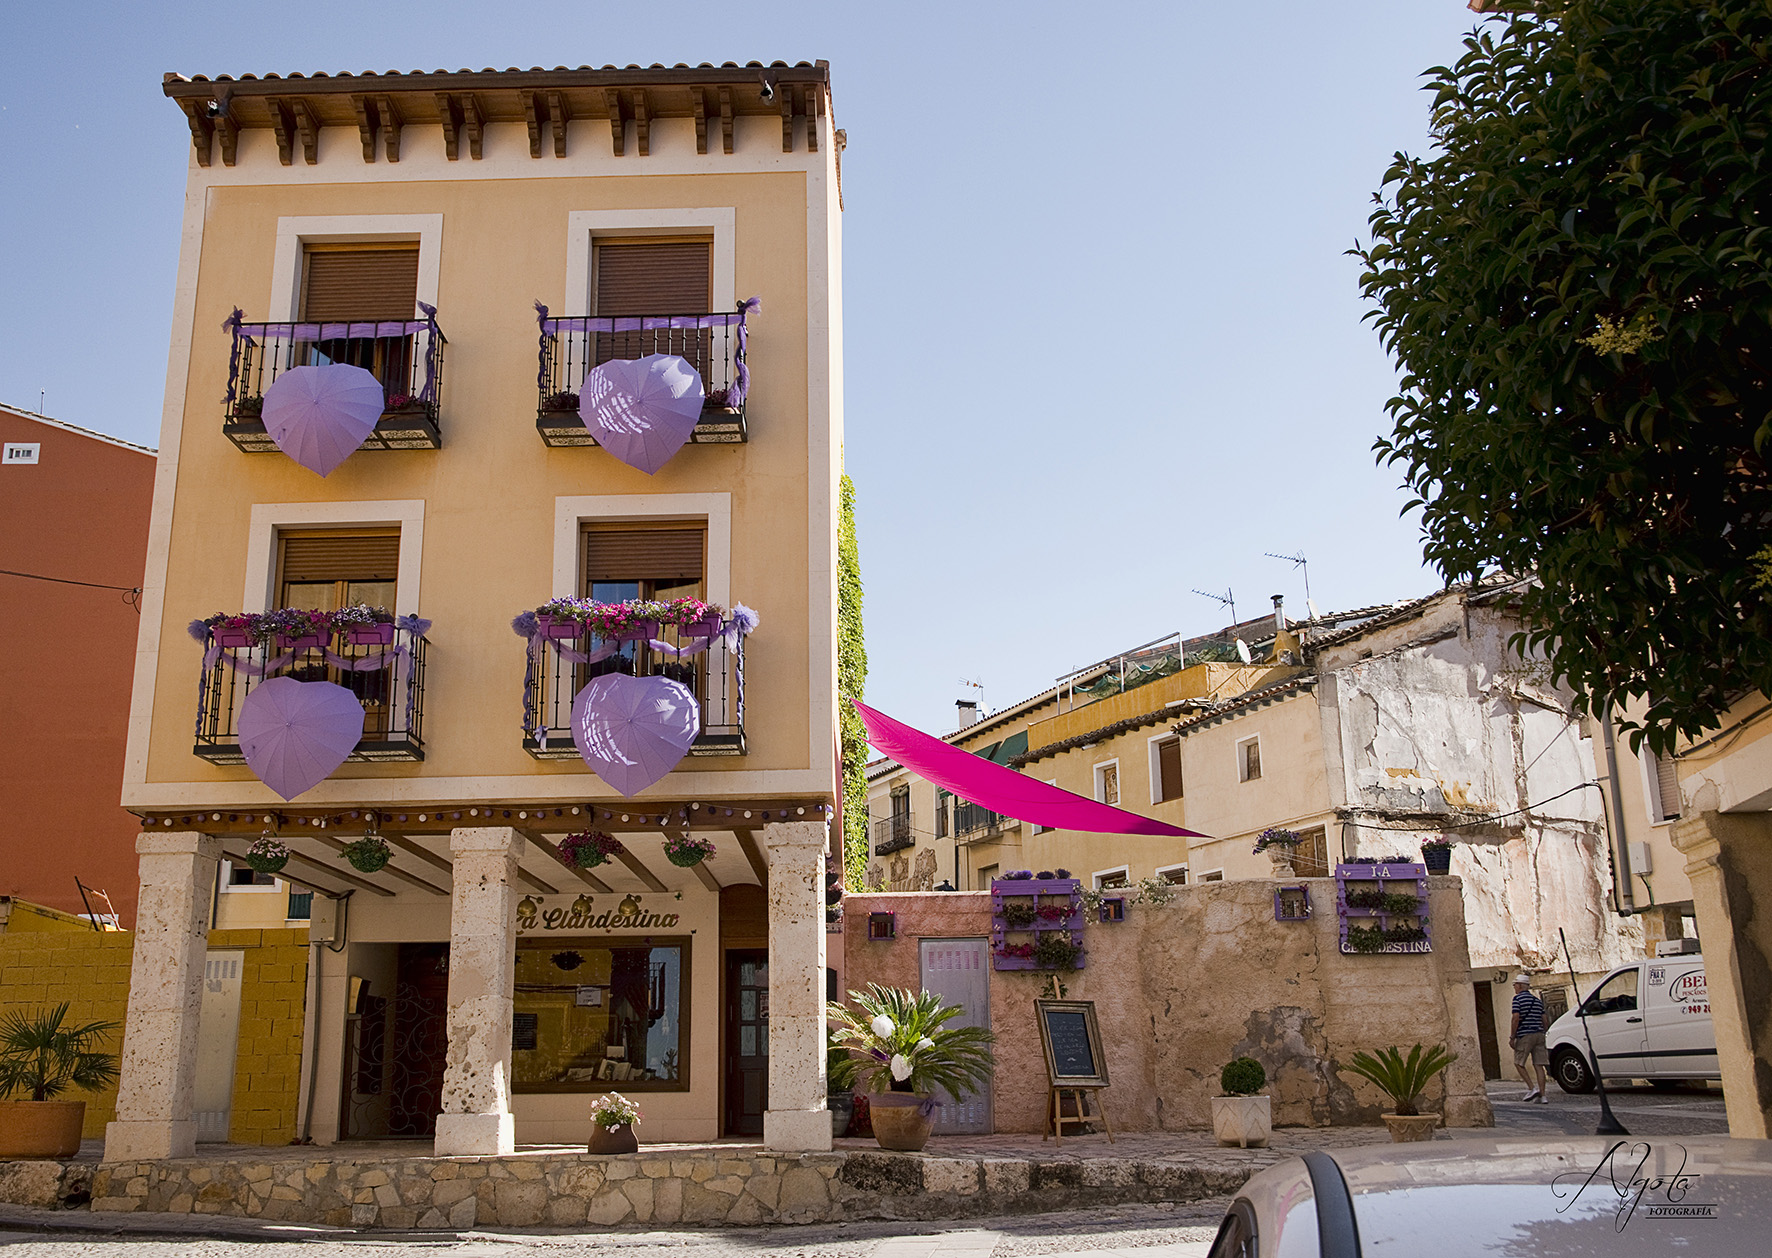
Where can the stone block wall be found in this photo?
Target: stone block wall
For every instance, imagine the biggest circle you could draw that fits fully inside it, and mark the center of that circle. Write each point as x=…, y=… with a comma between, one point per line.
x=1180, y=989
x=90, y=970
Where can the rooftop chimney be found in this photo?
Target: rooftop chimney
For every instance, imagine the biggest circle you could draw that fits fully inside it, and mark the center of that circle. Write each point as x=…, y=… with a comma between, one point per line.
x=1279, y=613
x=968, y=711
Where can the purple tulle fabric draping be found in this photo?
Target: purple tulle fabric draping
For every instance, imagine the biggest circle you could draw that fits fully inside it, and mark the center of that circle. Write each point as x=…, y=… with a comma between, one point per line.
x=1000, y=789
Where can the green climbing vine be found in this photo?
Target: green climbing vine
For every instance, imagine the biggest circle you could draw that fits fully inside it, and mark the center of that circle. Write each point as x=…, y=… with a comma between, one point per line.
x=852, y=676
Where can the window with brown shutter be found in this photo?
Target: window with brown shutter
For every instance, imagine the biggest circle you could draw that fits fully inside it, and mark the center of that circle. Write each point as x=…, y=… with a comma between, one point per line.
x=660, y=560
x=326, y=569
x=1168, y=770
x=655, y=277
x=344, y=283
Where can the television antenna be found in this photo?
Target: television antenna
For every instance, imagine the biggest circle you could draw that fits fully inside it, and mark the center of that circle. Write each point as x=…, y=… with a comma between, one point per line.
x=1299, y=561
x=1227, y=599
x=975, y=685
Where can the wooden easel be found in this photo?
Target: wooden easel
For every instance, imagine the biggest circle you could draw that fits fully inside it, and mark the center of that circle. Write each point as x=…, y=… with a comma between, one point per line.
x=1058, y=1118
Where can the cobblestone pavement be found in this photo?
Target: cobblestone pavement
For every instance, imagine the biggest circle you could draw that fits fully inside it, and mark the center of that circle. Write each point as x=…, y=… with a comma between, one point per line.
x=1142, y=1231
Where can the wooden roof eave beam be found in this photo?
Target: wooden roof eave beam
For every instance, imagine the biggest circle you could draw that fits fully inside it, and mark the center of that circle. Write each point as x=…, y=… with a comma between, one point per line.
x=391, y=870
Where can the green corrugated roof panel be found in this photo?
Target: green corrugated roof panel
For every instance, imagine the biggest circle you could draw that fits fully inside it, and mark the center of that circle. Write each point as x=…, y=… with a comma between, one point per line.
x=1014, y=745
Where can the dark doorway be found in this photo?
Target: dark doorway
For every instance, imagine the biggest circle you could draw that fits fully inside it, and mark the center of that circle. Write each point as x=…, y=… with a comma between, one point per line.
x=747, y=1040
x=395, y=1046
x=1486, y=1042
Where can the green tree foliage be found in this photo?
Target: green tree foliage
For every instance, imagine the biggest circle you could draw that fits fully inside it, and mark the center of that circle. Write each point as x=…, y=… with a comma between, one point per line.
x=1577, y=287
x=852, y=676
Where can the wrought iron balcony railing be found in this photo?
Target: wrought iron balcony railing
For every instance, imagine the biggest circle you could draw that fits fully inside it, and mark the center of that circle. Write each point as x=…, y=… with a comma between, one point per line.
x=387, y=677
x=405, y=355
x=973, y=821
x=714, y=344
x=893, y=833
x=715, y=676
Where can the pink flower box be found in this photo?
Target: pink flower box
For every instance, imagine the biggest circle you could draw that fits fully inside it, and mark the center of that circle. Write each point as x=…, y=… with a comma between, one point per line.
x=640, y=631
x=708, y=626
x=560, y=628
x=369, y=635
x=225, y=636
x=303, y=642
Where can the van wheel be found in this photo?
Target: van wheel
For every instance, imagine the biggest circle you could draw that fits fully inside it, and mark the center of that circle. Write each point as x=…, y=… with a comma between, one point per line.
x=1570, y=1069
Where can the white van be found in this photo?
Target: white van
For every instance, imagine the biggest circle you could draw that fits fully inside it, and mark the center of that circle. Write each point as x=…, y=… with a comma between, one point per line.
x=1650, y=1020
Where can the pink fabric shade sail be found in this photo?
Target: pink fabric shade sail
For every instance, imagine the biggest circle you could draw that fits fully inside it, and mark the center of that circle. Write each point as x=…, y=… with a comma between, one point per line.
x=295, y=734
x=634, y=730
x=642, y=410
x=1002, y=790
x=319, y=415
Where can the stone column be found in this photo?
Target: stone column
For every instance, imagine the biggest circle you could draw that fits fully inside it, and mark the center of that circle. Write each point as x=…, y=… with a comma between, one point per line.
x=796, y=1120
x=159, y=1065
x=1729, y=863
x=476, y=1114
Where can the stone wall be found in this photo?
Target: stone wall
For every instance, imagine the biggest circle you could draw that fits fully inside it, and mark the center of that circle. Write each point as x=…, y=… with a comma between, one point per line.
x=1182, y=988
x=690, y=1186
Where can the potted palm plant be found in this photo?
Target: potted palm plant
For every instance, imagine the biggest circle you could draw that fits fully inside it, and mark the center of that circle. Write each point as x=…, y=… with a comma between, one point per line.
x=1404, y=1079
x=40, y=1059
x=899, y=1047
x=1239, y=1116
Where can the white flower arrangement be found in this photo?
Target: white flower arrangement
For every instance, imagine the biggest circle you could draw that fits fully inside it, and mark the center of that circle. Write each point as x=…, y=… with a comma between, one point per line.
x=614, y=1110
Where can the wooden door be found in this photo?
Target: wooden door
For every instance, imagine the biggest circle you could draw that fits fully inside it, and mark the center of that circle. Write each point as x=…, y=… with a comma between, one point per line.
x=747, y=1040
x=959, y=971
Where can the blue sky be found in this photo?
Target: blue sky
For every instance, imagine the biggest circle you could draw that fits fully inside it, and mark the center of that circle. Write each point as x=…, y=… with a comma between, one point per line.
x=1104, y=343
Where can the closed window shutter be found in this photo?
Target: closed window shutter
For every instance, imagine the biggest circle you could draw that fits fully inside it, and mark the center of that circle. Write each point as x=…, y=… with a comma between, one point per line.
x=346, y=284
x=643, y=554
x=653, y=277
x=1667, y=787
x=341, y=557
x=1169, y=768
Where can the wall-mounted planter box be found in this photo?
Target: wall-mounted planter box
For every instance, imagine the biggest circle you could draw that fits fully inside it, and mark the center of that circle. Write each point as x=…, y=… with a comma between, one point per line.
x=1057, y=907
x=1363, y=929
x=882, y=927
x=1113, y=908
x=1292, y=904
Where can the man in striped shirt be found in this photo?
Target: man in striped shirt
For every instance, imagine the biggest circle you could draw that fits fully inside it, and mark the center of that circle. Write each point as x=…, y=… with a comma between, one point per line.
x=1526, y=1038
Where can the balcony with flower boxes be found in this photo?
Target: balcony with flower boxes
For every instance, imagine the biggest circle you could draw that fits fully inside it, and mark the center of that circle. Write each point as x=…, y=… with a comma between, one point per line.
x=572, y=642
x=380, y=661
x=405, y=357
x=714, y=344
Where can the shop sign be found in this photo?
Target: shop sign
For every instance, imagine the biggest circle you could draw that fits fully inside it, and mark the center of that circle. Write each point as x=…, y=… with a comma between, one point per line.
x=585, y=914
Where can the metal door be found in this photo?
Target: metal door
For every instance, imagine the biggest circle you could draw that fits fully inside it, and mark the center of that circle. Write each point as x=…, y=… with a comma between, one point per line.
x=959, y=971
x=218, y=1038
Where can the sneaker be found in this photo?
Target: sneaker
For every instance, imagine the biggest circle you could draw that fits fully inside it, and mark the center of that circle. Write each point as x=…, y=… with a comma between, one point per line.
x=1532, y=1095
x=1543, y=1099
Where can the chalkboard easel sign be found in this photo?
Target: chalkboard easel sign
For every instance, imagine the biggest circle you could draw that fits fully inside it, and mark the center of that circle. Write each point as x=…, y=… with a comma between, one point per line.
x=1072, y=1042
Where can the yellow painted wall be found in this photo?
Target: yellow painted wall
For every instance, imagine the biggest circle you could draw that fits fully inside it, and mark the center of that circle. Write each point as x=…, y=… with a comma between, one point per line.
x=90, y=970
x=1216, y=681
x=1667, y=882
x=490, y=491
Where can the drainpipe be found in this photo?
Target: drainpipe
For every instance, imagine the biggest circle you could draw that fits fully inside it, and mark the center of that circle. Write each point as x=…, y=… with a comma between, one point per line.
x=1619, y=845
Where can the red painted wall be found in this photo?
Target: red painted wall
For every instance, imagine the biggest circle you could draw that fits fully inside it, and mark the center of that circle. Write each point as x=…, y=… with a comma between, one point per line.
x=67, y=656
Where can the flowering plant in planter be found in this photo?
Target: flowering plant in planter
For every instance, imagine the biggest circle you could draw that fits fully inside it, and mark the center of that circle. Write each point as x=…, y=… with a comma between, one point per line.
x=294, y=623
x=614, y=1110
x=267, y=855
x=405, y=402
x=564, y=400
x=1018, y=916
x=1054, y=950
x=1019, y=875
x=368, y=854
x=249, y=407
x=686, y=850
x=719, y=399
x=1021, y=951
x=609, y=620
x=1277, y=836
x=1053, y=912
x=587, y=849
x=361, y=614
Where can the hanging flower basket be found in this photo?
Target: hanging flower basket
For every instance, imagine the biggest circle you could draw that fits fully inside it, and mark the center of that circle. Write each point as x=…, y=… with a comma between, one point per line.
x=368, y=854
x=687, y=851
x=267, y=855
x=589, y=848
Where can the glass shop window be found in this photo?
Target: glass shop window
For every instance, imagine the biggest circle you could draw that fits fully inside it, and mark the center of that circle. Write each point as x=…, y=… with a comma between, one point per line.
x=596, y=1016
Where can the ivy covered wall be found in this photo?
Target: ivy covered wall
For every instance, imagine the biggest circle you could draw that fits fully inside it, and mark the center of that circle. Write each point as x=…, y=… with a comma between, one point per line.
x=852, y=676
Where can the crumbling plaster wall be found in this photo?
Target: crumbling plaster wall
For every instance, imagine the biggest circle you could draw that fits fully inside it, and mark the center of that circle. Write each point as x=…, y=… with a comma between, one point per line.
x=1440, y=723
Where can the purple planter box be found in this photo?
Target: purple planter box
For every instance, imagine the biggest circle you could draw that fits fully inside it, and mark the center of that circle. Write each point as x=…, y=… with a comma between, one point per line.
x=227, y=637
x=1037, y=893
x=706, y=627
x=1401, y=877
x=643, y=631
x=560, y=628
x=369, y=635
x=303, y=642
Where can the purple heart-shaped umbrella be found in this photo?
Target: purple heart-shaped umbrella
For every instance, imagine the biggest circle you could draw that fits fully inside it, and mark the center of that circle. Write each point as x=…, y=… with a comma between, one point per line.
x=295, y=734
x=319, y=415
x=634, y=730
x=642, y=410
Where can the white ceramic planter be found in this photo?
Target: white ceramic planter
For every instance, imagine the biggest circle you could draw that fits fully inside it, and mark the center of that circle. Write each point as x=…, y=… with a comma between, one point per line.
x=1244, y=1121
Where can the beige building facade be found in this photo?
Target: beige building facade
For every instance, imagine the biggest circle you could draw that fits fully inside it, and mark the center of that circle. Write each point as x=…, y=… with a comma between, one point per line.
x=479, y=989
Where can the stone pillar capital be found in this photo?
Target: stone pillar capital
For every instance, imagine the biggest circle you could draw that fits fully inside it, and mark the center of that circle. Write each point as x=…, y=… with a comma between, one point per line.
x=178, y=843
x=791, y=834
x=485, y=839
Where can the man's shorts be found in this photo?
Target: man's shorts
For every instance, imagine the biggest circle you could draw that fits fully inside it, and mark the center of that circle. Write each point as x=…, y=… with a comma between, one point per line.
x=1532, y=1047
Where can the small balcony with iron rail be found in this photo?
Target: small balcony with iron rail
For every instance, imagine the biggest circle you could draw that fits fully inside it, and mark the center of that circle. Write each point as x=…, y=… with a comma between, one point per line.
x=715, y=344
x=405, y=356
x=382, y=665
x=565, y=657
x=893, y=834
x=974, y=823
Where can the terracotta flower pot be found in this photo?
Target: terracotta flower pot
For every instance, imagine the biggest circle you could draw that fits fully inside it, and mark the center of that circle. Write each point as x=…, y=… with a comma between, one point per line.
x=1244, y=1121
x=40, y=1129
x=1408, y=1128
x=613, y=1139
x=902, y=1120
